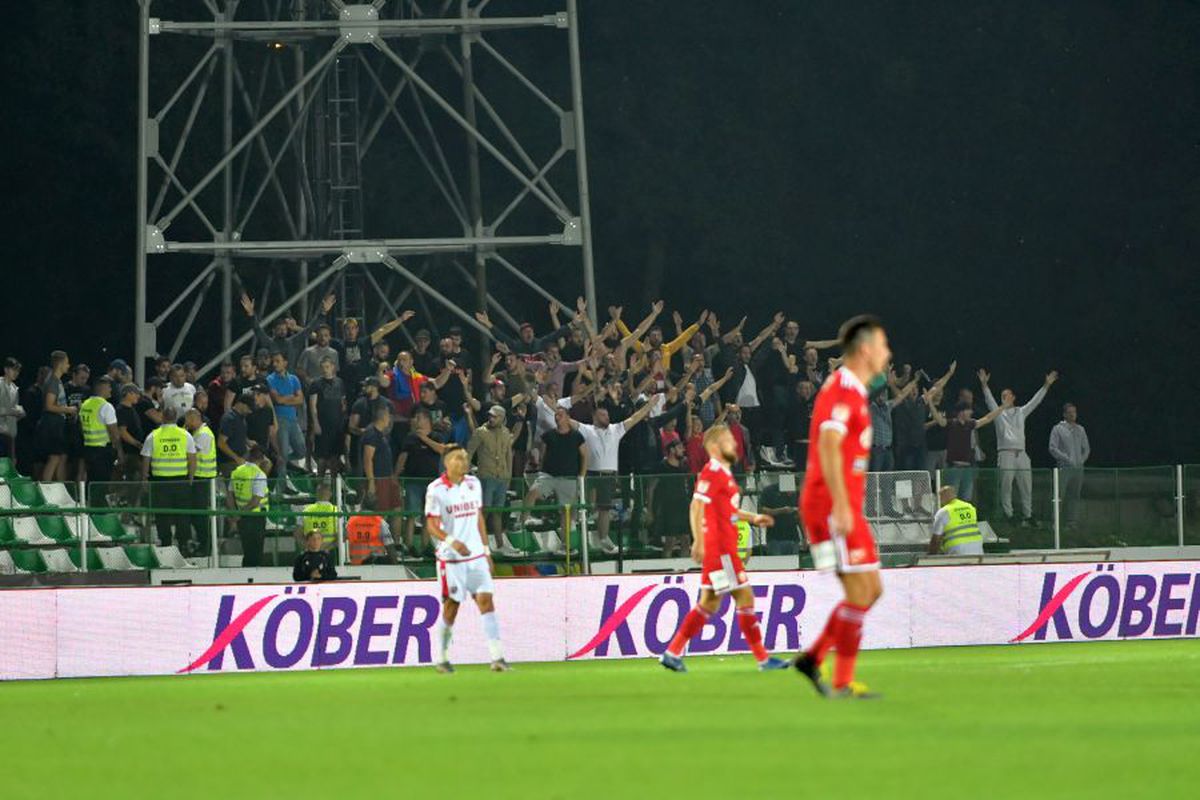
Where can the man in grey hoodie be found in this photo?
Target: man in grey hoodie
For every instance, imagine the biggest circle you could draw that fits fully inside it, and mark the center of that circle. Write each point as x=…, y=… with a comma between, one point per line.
x=1011, y=457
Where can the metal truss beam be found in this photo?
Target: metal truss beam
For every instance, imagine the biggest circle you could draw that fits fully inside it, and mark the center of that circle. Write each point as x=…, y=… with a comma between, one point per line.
x=260, y=197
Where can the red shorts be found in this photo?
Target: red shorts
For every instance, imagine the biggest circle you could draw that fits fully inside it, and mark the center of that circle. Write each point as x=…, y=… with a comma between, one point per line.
x=722, y=570
x=854, y=552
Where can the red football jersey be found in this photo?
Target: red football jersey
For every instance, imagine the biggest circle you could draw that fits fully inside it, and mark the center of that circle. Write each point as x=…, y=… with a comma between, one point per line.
x=716, y=488
x=842, y=406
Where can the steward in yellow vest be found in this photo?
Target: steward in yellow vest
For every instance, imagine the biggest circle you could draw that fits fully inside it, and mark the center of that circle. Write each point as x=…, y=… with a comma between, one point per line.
x=955, y=527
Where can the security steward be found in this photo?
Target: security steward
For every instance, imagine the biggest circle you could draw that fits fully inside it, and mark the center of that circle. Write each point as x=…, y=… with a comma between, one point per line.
x=206, y=473
x=319, y=517
x=248, y=493
x=370, y=539
x=955, y=527
x=169, y=461
x=101, y=439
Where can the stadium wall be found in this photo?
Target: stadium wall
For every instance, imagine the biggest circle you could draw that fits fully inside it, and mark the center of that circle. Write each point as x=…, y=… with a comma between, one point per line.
x=196, y=630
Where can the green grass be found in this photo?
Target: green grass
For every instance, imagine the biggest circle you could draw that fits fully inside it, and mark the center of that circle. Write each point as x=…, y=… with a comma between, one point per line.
x=1064, y=720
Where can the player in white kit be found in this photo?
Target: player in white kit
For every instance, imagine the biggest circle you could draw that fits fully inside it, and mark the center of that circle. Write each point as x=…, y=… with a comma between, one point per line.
x=454, y=518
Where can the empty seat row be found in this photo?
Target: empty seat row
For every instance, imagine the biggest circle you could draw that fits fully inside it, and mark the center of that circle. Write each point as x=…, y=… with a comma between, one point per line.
x=139, y=556
x=25, y=493
x=63, y=530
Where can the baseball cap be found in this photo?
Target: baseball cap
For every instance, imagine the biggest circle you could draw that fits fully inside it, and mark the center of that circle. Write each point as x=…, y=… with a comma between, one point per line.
x=130, y=388
x=456, y=330
x=497, y=411
x=422, y=334
x=118, y=363
x=371, y=381
x=241, y=398
x=155, y=381
x=526, y=325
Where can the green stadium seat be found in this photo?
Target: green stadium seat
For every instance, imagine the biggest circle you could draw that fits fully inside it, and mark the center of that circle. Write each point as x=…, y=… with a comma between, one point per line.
x=142, y=556
x=56, y=495
x=56, y=528
x=29, y=531
x=8, y=470
x=110, y=525
x=7, y=536
x=27, y=493
x=524, y=540
x=424, y=571
x=58, y=561
x=93, y=558
x=114, y=558
x=28, y=560
x=7, y=567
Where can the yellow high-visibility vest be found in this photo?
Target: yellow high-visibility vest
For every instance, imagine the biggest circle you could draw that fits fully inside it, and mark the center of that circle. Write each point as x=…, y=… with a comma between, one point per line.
x=95, y=432
x=168, y=454
x=206, y=459
x=241, y=480
x=316, y=519
x=962, y=527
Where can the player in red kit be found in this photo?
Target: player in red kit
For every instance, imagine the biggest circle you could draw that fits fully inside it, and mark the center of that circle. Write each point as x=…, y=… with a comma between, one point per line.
x=714, y=515
x=831, y=505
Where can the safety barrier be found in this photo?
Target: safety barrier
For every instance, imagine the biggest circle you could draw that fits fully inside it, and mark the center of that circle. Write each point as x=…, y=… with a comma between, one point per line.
x=195, y=630
x=622, y=520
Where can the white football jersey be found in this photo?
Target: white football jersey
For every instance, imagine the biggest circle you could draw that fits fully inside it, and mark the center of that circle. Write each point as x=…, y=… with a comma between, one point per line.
x=457, y=509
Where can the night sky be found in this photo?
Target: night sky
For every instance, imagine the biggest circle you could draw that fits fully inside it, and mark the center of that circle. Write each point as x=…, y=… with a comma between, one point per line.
x=1015, y=185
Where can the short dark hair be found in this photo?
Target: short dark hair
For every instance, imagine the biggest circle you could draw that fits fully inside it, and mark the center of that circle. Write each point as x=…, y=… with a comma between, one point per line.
x=279, y=353
x=855, y=331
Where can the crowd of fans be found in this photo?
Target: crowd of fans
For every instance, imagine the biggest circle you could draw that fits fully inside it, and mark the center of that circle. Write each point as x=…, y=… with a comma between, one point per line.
x=629, y=397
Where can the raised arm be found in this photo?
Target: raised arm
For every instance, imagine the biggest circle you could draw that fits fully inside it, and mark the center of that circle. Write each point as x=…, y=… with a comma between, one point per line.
x=941, y=382
x=987, y=418
x=821, y=344
x=988, y=399
x=767, y=332
x=634, y=337
x=641, y=413
x=1040, y=395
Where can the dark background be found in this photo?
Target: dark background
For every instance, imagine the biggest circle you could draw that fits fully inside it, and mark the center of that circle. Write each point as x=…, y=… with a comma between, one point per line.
x=1011, y=184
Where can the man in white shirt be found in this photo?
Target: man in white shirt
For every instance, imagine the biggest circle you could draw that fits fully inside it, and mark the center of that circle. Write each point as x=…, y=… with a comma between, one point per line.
x=178, y=394
x=454, y=519
x=603, y=440
x=10, y=407
x=1070, y=449
x=1011, y=457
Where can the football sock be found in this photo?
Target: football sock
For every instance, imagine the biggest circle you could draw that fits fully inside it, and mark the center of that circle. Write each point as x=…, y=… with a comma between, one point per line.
x=691, y=625
x=491, y=629
x=828, y=638
x=748, y=622
x=445, y=634
x=849, y=634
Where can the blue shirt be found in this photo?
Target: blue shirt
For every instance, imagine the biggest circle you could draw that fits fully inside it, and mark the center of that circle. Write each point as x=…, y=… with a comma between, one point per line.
x=286, y=385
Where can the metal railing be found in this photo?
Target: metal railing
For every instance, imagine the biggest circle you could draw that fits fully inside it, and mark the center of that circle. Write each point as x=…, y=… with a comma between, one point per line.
x=611, y=523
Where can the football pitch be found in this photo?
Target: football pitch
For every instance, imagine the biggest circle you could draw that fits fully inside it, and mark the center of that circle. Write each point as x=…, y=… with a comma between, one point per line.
x=1109, y=719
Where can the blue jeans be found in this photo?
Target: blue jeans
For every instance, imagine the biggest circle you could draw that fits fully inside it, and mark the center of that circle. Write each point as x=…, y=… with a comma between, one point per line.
x=291, y=441
x=494, y=492
x=962, y=478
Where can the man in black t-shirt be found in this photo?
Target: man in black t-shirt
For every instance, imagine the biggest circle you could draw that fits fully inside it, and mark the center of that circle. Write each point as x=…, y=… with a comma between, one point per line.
x=327, y=405
x=419, y=463
x=433, y=407
x=362, y=413
x=77, y=390
x=670, y=502
x=261, y=425
x=564, y=459
x=148, y=407
x=129, y=431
